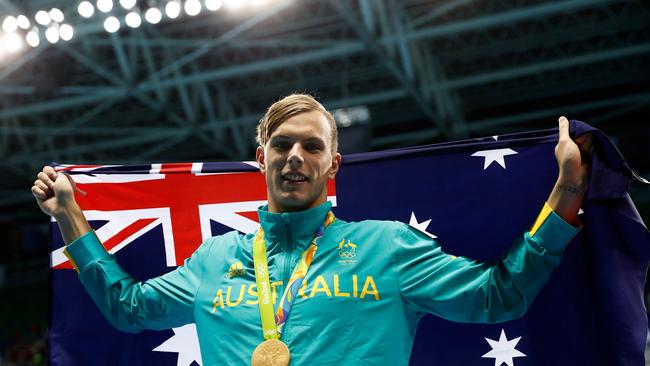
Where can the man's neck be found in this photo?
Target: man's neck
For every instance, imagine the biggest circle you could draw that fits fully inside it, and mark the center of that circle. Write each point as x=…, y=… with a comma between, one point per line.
x=274, y=207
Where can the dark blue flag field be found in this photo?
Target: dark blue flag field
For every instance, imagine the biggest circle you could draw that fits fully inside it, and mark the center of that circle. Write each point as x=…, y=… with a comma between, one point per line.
x=475, y=197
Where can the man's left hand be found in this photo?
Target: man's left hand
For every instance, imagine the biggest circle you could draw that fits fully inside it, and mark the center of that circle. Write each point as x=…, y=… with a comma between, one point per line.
x=573, y=156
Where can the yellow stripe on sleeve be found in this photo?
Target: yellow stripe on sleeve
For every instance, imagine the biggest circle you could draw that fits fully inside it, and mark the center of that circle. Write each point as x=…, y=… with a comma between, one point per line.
x=546, y=212
x=65, y=252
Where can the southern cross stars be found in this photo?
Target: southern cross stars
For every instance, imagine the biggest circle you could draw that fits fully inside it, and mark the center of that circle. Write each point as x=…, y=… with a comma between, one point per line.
x=496, y=155
x=421, y=226
x=503, y=350
x=185, y=342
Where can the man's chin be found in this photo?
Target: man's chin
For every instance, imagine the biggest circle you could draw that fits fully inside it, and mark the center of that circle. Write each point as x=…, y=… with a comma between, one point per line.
x=295, y=203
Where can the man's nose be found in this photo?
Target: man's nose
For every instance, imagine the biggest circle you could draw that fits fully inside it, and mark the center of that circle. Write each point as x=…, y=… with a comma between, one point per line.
x=295, y=156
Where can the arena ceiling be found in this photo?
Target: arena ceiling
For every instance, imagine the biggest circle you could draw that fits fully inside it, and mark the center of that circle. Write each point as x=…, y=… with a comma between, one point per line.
x=410, y=72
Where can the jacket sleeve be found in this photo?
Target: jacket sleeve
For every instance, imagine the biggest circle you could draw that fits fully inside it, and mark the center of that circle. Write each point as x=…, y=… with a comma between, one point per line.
x=464, y=290
x=129, y=305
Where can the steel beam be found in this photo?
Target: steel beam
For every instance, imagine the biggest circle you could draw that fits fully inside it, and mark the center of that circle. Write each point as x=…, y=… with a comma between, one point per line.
x=537, y=68
x=387, y=62
x=439, y=11
x=487, y=126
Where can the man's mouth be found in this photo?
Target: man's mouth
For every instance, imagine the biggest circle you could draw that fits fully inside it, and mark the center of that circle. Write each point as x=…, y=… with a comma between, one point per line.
x=294, y=177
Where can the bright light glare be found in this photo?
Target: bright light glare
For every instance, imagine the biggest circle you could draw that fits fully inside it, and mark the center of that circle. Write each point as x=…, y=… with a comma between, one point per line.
x=258, y=3
x=105, y=5
x=10, y=24
x=192, y=7
x=52, y=34
x=12, y=42
x=153, y=15
x=127, y=4
x=56, y=15
x=42, y=17
x=66, y=32
x=213, y=5
x=112, y=24
x=86, y=9
x=233, y=4
x=23, y=22
x=32, y=39
x=133, y=19
x=173, y=9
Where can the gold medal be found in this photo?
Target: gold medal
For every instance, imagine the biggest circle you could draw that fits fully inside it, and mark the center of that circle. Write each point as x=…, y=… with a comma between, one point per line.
x=271, y=352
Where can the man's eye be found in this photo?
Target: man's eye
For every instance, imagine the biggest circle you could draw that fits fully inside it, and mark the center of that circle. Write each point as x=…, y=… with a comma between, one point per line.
x=313, y=147
x=281, y=145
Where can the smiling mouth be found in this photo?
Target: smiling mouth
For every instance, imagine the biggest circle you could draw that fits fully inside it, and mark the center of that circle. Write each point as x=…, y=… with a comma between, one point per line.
x=294, y=178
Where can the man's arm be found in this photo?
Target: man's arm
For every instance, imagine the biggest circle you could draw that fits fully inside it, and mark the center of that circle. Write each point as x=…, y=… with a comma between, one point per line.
x=129, y=305
x=574, y=159
x=464, y=290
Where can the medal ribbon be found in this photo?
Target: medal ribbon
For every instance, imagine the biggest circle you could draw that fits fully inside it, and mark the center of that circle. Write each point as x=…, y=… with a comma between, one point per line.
x=272, y=325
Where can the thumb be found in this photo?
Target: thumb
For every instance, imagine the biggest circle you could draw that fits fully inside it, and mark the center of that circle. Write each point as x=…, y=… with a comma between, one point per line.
x=74, y=185
x=564, y=128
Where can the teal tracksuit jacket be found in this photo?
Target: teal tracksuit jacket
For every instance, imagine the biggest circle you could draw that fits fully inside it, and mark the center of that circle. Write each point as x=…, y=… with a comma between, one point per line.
x=368, y=286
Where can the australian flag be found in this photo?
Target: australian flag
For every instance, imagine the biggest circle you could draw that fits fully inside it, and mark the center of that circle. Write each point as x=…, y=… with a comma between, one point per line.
x=473, y=196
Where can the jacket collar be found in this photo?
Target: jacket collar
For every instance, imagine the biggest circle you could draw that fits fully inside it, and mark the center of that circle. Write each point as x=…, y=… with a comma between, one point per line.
x=290, y=230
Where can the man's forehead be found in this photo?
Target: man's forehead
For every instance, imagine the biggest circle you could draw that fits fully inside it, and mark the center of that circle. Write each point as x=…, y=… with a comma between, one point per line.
x=308, y=124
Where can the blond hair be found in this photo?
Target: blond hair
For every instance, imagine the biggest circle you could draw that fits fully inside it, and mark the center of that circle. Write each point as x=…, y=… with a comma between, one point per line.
x=288, y=107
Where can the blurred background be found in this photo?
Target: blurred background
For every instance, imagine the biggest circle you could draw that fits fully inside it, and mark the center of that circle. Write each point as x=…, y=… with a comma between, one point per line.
x=124, y=82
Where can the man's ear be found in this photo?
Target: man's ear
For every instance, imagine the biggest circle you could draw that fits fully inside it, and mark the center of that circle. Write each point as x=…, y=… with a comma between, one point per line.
x=259, y=158
x=336, y=163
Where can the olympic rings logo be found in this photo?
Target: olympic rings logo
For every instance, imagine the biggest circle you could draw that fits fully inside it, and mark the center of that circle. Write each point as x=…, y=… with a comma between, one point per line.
x=350, y=254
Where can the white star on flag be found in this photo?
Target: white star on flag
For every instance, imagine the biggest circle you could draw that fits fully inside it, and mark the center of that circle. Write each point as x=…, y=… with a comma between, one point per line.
x=421, y=226
x=497, y=155
x=185, y=342
x=580, y=212
x=503, y=350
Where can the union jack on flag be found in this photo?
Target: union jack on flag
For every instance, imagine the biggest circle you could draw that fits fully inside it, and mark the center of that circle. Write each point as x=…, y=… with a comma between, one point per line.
x=166, y=195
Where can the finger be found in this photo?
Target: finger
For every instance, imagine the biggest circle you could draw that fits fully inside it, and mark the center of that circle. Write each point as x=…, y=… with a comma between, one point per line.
x=43, y=187
x=38, y=193
x=74, y=185
x=564, y=128
x=43, y=177
x=50, y=172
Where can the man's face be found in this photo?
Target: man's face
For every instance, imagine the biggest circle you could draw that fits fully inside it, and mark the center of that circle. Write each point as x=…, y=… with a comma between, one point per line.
x=297, y=161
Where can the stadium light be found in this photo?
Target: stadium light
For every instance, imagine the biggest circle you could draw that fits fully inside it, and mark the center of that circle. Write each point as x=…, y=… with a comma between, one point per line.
x=127, y=4
x=52, y=34
x=86, y=9
x=233, y=4
x=192, y=7
x=10, y=24
x=104, y=5
x=173, y=9
x=56, y=15
x=23, y=22
x=12, y=42
x=213, y=5
x=153, y=15
x=133, y=19
x=32, y=38
x=258, y=3
x=66, y=32
x=112, y=24
x=42, y=18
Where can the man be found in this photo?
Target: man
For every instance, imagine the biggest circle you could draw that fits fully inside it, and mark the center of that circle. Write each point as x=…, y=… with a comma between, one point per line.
x=325, y=314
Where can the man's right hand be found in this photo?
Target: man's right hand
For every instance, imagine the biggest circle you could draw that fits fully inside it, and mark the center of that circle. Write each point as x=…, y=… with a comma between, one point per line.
x=54, y=192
